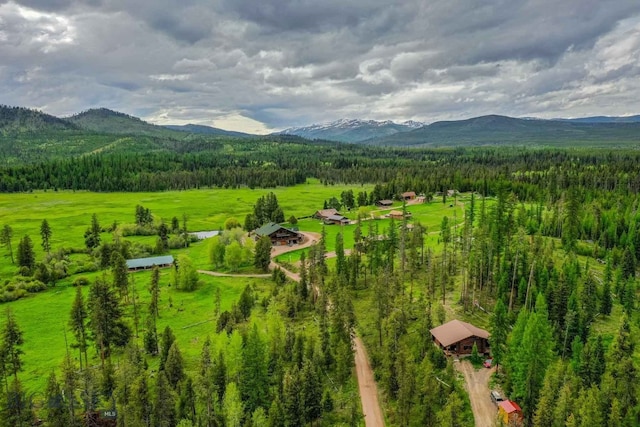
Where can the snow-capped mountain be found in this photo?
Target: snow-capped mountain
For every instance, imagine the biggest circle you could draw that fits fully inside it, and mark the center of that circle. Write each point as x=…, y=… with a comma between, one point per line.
x=352, y=130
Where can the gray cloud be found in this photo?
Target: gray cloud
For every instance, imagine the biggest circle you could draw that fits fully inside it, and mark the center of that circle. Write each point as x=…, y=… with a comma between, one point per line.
x=292, y=62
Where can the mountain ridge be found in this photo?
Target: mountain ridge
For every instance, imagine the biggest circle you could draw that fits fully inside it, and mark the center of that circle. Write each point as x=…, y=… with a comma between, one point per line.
x=496, y=129
x=351, y=130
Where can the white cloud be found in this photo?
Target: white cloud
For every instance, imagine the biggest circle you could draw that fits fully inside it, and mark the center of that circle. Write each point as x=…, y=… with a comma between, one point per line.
x=273, y=65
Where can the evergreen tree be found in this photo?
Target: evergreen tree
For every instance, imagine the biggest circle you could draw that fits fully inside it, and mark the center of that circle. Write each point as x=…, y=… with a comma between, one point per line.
x=78, y=324
x=628, y=264
x=262, y=257
x=26, y=256
x=163, y=237
x=150, y=336
x=606, y=304
x=311, y=392
x=57, y=415
x=303, y=285
x=6, y=234
x=17, y=408
x=254, y=376
x=105, y=319
x=340, y=258
x=246, y=302
x=164, y=405
x=499, y=332
x=532, y=358
x=92, y=235
x=187, y=401
x=291, y=404
x=450, y=415
x=10, y=347
x=45, y=233
x=167, y=340
x=154, y=291
x=120, y=274
x=233, y=406
x=174, y=367
x=141, y=401
x=69, y=385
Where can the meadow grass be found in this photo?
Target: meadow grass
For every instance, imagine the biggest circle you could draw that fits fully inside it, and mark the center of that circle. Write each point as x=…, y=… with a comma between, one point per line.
x=69, y=213
x=44, y=318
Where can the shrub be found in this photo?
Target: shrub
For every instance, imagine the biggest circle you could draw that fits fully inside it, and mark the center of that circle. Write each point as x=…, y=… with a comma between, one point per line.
x=81, y=281
x=34, y=286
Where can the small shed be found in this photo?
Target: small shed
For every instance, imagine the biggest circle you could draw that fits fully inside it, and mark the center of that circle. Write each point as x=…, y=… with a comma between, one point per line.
x=510, y=413
x=409, y=195
x=325, y=213
x=278, y=234
x=384, y=203
x=147, y=263
x=458, y=337
x=398, y=215
x=336, y=219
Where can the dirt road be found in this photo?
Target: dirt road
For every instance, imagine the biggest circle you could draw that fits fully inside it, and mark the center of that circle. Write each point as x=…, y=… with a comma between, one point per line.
x=477, y=385
x=367, y=386
x=366, y=382
x=216, y=274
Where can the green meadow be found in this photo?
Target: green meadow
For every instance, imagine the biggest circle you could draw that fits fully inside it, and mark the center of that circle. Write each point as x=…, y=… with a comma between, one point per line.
x=69, y=213
x=43, y=317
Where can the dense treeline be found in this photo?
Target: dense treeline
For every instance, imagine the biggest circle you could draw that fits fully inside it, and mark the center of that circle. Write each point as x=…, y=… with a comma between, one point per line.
x=264, y=163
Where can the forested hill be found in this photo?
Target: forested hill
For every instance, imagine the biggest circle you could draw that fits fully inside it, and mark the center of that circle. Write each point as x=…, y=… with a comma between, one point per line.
x=502, y=130
x=14, y=120
x=206, y=130
x=29, y=136
x=103, y=120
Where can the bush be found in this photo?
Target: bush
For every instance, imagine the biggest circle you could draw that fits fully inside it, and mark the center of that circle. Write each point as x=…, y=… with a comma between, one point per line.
x=35, y=286
x=177, y=242
x=81, y=281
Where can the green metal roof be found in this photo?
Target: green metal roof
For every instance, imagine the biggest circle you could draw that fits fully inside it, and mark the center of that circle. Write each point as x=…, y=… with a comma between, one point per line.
x=149, y=262
x=268, y=229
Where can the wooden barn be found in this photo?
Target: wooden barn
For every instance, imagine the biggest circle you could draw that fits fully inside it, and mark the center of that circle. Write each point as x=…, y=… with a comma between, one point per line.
x=384, y=203
x=336, y=219
x=510, y=413
x=325, y=213
x=409, y=195
x=278, y=234
x=398, y=215
x=148, y=263
x=458, y=337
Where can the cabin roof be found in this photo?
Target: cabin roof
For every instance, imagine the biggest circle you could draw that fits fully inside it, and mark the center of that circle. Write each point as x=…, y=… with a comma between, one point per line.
x=456, y=331
x=149, y=262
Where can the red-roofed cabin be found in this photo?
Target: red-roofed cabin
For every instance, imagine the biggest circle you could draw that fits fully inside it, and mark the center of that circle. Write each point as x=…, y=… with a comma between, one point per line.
x=510, y=413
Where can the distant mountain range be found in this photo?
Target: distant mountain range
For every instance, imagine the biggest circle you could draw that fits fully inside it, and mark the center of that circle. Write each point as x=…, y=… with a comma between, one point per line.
x=352, y=130
x=502, y=130
x=30, y=135
x=206, y=130
x=484, y=130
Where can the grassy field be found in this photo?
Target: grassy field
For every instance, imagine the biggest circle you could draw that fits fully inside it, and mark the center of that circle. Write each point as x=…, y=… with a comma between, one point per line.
x=44, y=316
x=43, y=319
x=428, y=214
x=69, y=213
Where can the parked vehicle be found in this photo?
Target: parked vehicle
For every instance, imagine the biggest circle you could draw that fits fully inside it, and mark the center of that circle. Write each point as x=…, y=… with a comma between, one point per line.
x=496, y=397
x=488, y=363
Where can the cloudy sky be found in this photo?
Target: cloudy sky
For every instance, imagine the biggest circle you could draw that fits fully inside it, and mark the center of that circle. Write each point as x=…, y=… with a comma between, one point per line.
x=260, y=65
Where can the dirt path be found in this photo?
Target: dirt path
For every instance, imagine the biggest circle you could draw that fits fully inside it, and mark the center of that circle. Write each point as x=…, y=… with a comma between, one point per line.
x=367, y=386
x=477, y=385
x=216, y=274
x=366, y=382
